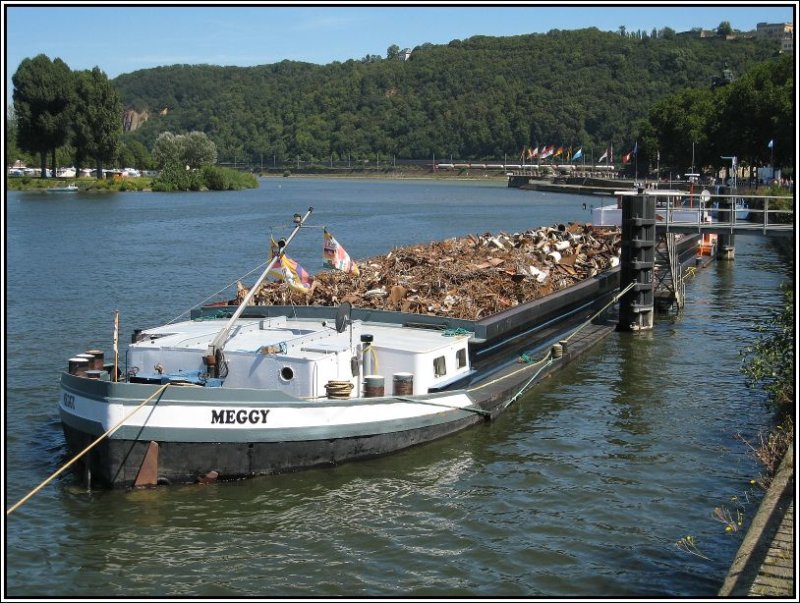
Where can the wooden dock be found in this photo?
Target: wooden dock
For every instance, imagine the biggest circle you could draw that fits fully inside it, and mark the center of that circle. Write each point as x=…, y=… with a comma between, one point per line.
x=764, y=565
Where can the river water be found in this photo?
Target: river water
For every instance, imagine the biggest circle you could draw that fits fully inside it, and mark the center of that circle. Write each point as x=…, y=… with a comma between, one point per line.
x=581, y=489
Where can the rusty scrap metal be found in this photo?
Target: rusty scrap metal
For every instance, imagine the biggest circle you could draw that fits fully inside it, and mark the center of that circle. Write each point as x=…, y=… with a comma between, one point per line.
x=467, y=277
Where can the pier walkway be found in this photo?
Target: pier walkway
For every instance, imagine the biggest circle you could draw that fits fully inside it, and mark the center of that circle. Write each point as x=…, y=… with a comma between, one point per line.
x=764, y=566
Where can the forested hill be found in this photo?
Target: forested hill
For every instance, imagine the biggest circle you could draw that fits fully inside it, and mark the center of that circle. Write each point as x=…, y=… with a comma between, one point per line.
x=479, y=98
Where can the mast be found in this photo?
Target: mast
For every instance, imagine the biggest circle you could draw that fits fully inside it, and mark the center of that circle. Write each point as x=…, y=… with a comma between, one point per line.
x=216, y=346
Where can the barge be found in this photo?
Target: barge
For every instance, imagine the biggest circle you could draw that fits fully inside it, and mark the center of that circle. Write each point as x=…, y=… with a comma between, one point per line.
x=247, y=390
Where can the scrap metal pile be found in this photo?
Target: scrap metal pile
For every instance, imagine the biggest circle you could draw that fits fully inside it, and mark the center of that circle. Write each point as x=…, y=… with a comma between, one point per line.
x=469, y=277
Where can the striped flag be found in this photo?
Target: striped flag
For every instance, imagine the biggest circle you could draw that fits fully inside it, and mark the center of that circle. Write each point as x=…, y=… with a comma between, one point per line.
x=290, y=271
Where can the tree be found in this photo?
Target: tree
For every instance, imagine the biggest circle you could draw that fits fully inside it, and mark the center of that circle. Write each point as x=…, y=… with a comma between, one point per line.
x=42, y=93
x=13, y=152
x=680, y=124
x=724, y=29
x=393, y=51
x=96, y=119
x=197, y=150
x=166, y=150
x=134, y=154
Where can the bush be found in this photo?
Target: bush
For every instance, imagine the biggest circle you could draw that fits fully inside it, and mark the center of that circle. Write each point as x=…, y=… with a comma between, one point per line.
x=225, y=179
x=769, y=364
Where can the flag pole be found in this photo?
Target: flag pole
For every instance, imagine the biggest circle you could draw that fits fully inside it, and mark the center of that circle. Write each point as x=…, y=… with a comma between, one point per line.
x=116, y=344
x=771, y=158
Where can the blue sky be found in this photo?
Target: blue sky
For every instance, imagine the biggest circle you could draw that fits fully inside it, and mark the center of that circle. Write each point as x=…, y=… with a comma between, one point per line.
x=121, y=39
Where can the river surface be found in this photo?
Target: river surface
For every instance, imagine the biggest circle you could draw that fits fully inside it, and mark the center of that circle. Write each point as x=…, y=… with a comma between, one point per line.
x=581, y=489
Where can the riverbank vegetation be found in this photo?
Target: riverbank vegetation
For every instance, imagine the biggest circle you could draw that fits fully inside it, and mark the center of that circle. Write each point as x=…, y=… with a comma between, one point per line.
x=208, y=178
x=769, y=364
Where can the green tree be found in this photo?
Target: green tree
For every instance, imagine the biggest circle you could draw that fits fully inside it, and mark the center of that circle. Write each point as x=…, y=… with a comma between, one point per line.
x=96, y=119
x=756, y=108
x=13, y=152
x=724, y=29
x=43, y=90
x=681, y=125
x=166, y=150
x=134, y=154
x=197, y=150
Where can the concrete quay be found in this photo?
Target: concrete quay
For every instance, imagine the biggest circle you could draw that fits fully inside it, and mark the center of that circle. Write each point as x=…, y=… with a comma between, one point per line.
x=764, y=566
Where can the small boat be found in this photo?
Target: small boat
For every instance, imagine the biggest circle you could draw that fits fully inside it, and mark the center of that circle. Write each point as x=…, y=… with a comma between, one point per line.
x=722, y=214
x=672, y=206
x=243, y=390
x=67, y=188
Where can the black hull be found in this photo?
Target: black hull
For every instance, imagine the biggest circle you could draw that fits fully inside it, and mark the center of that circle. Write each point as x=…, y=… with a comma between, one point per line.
x=116, y=463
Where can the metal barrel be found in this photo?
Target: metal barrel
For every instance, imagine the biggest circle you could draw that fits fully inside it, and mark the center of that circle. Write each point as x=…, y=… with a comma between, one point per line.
x=373, y=386
x=78, y=366
x=98, y=357
x=403, y=384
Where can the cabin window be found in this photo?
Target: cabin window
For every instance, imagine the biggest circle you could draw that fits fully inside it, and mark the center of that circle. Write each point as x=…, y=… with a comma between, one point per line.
x=439, y=367
x=461, y=358
x=287, y=373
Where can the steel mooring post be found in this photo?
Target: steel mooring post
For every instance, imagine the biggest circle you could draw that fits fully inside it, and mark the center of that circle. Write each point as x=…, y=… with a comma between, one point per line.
x=726, y=249
x=636, y=262
x=726, y=214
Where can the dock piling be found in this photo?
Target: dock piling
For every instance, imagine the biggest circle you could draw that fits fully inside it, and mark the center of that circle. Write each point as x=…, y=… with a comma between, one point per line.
x=637, y=261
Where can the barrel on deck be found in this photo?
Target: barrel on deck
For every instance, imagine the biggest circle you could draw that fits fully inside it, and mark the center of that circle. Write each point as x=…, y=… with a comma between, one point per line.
x=98, y=359
x=78, y=366
x=403, y=384
x=373, y=386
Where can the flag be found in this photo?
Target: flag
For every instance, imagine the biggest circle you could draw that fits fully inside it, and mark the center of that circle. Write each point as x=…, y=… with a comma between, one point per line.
x=522, y=154
x=558, y=152
x=334, y=255
x=116, y=332
x=530, y=153
x=546, y=152
x=289, y=270
x=603, y=157
x=293, y=273
x=535, y=153
x=626, y=158
x=771, y=143
x=635, y=150
x=578, y=154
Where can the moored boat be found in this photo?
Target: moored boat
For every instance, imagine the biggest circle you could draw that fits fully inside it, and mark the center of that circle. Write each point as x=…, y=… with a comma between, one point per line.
x=672, y=206
x=244, y=390
x=67, y=188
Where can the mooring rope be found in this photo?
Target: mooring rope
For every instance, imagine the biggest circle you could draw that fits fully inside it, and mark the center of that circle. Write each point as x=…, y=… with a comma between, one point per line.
x=119, y=423
x=547, y=359
x=477, y=411
x=338, y=390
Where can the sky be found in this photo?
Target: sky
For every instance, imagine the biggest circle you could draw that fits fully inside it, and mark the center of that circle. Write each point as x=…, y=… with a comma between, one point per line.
x=122, y=39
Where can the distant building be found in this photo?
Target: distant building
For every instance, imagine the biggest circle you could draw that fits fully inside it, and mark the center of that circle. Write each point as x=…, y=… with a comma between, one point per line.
x=405, y=54
x=784, y=32
x=778, y=31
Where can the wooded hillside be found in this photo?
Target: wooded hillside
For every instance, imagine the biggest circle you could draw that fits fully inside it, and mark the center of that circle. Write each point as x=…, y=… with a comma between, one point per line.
x=479, y=98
